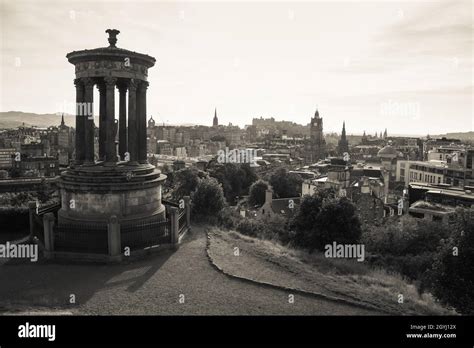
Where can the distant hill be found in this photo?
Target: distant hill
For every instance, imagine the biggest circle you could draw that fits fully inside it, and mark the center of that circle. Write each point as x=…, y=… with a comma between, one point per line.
x=14, y=119
x=463, y=136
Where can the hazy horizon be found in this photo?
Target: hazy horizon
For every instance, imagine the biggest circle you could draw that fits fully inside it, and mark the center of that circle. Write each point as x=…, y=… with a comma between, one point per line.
x=71, y=122
x=404, y=66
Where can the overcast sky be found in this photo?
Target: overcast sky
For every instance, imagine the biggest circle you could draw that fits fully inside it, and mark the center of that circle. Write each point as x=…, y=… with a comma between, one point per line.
x=405, y=66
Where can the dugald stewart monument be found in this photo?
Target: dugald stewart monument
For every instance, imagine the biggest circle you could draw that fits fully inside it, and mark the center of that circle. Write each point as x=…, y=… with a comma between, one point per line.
x=119, y=183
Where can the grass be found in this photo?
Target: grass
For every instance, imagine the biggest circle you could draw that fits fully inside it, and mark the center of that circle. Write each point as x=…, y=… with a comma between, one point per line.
x=345, y=278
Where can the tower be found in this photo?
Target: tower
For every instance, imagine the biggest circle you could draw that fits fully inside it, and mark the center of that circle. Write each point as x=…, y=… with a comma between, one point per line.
x=385, y=134
x=315, y=148
x=151, y=122
x=215, y=121
x=343, y=144
x=364, y=138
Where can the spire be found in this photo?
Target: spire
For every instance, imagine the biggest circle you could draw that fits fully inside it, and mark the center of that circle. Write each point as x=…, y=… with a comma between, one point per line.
x=343, y=145
x=385, y=134
x=215, y=121
x=316, y=114
x=62, y=120
x=364, y=134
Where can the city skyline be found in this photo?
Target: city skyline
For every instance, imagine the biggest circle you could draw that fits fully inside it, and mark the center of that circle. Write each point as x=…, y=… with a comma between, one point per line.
x=395, y=65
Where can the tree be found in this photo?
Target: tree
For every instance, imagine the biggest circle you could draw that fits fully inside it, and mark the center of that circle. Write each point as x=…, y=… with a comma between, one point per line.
x=44, y=192
x=168, y=184
x=452, y=275
x=248, y=178
x=257, y=193
x=185, y=181
x=218, y=138
x=208, y=198
x=234, y=178
x=323, y=219
x=284, y=184
x=405, y=245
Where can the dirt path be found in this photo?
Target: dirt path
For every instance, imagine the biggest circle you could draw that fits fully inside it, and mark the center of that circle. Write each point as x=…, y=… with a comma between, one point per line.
x=151, y=286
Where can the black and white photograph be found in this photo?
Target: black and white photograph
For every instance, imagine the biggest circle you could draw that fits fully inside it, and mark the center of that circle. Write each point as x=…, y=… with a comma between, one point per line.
x=293, y=169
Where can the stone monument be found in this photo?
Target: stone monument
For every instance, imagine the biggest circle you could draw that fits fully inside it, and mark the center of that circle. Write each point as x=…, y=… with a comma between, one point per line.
x=120, y=181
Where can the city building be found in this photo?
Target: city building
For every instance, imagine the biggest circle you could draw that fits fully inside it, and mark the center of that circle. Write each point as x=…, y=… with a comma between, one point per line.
x=7, y=157
x=337, y=177
x=315, y=147
x=281, y=206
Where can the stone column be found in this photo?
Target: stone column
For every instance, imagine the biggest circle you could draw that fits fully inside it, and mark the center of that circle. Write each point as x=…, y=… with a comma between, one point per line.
x=174, y=221
x=80, y=122
x=48, y=225
x=110, y=151
x=132, y=122
x=89, y=121
x=102, y=122
x=122, y=121
x=114, y=238
x=187, y=206
x=142, y=122
x=31, y=213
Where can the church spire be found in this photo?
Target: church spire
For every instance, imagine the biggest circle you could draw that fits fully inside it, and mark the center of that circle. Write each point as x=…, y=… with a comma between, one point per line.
x=215, y=121
x=62, y=120
x=343, y=144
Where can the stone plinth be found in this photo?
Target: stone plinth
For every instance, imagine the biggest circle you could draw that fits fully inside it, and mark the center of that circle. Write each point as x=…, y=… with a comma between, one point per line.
x=91, y=194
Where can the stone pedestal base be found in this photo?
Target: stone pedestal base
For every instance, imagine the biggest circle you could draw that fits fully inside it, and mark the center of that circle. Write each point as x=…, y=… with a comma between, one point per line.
x=92, y=194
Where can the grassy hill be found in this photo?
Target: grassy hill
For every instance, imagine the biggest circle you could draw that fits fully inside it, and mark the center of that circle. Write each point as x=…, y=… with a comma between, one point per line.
x=269, y=262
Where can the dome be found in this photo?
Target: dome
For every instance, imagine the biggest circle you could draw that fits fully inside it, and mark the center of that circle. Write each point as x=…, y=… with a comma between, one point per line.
x=387, y=151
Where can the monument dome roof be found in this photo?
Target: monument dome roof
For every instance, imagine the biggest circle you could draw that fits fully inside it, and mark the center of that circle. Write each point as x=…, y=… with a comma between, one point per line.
x=112, y=52
x=387, y=150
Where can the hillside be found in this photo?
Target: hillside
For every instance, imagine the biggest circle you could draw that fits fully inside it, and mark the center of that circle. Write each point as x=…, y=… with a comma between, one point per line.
x=463, y=136
x=14, y=119
x=267, y=262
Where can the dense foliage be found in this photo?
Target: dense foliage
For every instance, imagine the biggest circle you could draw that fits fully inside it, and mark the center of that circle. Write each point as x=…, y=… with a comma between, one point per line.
x=257, y=193
x=323, y=219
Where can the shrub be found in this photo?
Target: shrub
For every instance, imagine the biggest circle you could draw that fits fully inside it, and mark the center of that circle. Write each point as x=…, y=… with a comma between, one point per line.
x=323, y=219
x=249, y=227
x=452, y=277
x=228, y=218
x=407, y=246
x=284, y=184
x=257, y=193
x=208, y=198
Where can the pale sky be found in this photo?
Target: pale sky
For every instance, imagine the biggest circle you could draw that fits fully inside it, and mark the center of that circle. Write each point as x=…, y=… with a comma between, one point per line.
x=406, y=66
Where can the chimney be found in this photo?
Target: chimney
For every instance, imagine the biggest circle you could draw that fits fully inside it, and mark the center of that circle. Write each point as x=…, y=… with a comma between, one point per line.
x=268, y=196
